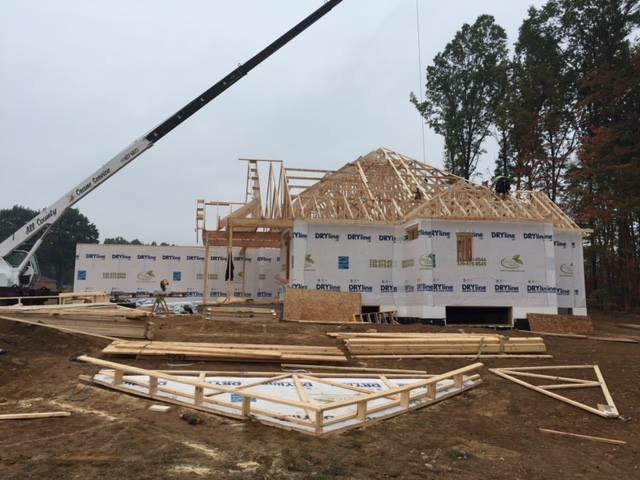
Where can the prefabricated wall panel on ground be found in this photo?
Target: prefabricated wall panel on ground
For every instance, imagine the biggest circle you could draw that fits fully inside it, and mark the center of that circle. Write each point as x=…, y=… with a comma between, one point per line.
x=140, y=268
x=523, y=266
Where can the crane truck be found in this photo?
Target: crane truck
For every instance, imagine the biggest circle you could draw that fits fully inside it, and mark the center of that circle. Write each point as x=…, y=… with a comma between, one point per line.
x=19, y=268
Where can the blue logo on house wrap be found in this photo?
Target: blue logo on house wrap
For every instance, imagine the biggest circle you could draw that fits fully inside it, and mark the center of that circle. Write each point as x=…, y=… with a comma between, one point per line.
x=237, y=398
x=343, y=263
x=177, y=276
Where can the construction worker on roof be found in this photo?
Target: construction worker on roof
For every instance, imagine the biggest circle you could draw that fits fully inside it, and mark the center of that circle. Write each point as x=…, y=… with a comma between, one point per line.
x=502, y=186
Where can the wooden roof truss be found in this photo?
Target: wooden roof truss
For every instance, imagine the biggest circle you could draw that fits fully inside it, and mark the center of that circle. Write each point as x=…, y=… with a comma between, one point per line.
x=385, y=187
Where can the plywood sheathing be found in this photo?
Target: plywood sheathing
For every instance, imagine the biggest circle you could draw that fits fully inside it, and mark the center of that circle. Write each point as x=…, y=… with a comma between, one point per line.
x=560, y=324
x=339, y=307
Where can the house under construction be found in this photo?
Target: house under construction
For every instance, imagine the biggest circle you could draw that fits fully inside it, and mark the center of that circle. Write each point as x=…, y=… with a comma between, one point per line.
x=407, y=236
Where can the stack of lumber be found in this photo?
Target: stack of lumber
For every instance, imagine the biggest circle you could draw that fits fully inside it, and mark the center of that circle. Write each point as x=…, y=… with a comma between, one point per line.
x=83, y=297
x=382, y=345
x=106, y=319
x=239, y=312
x=225, y=351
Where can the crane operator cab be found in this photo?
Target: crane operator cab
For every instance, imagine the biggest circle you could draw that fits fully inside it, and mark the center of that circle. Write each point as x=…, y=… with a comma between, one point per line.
x=29, y=274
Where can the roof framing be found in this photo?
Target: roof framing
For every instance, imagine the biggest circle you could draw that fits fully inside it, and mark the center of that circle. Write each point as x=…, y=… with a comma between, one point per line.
x=385, y=187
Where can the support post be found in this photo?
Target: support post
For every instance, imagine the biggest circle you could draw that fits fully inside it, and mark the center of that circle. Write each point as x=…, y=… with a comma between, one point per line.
x=404, y=398
x=319, y=420
x=431, y=391
x=118, y=377
x=199, y=395
x=153, y=385
x=205, y=288
x=362, y=411
x=229, y=259
x=246, y=406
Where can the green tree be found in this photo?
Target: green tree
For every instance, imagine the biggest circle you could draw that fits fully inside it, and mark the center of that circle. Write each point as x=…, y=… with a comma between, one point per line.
x=116, y=241
x=58, y=251
x=123, y=241
x=462, y=91
x=543, y=104
x=605, y=192
x=12, y=219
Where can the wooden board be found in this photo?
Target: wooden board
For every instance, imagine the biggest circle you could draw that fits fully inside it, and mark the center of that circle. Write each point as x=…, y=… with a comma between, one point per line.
x=560, y=323
x=301, y=304
x=30, y=416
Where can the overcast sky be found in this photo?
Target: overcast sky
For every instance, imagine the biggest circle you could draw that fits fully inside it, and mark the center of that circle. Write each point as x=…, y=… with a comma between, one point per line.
x=80, y=80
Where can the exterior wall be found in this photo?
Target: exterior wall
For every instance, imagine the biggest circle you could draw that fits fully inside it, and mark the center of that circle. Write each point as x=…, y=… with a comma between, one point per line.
x=515, y=265
x=139, y=268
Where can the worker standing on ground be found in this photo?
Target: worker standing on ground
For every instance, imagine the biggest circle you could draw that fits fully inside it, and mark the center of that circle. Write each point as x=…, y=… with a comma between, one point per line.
x=502, y=186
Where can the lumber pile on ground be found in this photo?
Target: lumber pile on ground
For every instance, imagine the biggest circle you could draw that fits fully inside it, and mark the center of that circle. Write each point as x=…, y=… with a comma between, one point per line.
x=414, y=345
x=97, y=318
x=239, y=312
x=240, y=352
x=83, y=297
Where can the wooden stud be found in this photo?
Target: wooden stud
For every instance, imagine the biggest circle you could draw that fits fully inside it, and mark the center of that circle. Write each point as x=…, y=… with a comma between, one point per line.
x=584, y=437
x=361, y=410
x=246, y=405
x=29, y=416
x=153, y=385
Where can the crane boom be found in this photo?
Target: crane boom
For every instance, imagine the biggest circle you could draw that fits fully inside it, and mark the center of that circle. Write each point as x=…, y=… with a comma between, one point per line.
x=50, y=215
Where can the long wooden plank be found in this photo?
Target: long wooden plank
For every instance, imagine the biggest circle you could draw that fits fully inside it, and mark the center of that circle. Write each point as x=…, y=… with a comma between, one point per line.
x=515, y=355
x=61, y=329
x=584, y=437
x=352, y=369
x=29, y=416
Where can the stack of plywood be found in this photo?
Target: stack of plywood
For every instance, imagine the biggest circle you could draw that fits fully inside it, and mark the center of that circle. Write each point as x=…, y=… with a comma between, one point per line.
x=302, y=305
x=97, y=318
x=577, y=324
x=381, y=345
x=239, y=312
x=225, y=351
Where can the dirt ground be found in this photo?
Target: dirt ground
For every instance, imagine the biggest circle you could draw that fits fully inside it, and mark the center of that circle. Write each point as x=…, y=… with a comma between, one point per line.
x=489, y=432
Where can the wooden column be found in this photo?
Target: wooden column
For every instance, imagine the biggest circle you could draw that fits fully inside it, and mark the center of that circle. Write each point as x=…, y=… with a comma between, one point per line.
x=205, y=288
x=229, y=259
x=246, y=406
x=153, y=385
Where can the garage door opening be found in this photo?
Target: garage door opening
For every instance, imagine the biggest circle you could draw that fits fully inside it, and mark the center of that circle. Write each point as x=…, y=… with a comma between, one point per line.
x=486, y=316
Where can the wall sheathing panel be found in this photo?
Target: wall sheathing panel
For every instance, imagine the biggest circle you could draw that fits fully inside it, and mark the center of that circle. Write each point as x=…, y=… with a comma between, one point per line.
x=139, y=268
x=569, y=268
x=513, y=265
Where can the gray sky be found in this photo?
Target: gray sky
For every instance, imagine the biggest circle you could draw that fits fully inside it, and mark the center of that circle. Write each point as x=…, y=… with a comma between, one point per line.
x=80, y=80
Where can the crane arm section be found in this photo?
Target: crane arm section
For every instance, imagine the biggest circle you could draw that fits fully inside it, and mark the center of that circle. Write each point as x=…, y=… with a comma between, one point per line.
x=50, y=215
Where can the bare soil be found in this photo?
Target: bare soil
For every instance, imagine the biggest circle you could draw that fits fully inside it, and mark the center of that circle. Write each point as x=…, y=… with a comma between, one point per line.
x=489, y=432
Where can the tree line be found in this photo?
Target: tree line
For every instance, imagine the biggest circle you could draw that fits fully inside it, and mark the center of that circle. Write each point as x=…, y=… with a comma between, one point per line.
x=563, y=105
